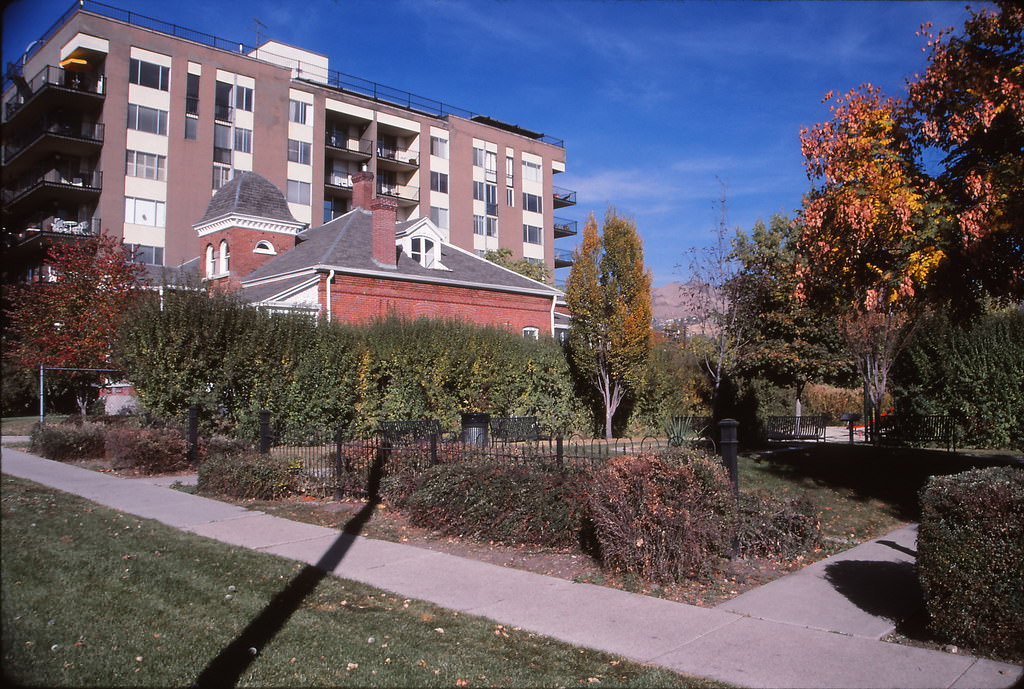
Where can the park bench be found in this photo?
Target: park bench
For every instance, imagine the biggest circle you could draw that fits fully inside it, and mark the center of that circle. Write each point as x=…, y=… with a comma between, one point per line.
x=409, y=430
x=514, y=429
x=794, y=428
x=931, y=428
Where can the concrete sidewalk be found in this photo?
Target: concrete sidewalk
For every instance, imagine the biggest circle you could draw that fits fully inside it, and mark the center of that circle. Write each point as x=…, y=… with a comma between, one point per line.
x=800, y=631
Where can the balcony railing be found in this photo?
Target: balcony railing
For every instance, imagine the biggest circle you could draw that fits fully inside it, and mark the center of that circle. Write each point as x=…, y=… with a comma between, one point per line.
x=338, y=180
x=565, y=228
x=341, y=140
x=563, y=258
x=400, y=155
x=53, y=76
x=224, y=113
x=400, y=192
x=92, y=132
x=563, y=197
x=60, y=178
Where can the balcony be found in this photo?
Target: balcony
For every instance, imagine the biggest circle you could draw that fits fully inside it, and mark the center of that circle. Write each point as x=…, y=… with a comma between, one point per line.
x=565, y=228
x=389, y=158
x=54, y=87
x=338, y=182
x=563, y=258
x=563, y=197
x=50, y=135
x=341, y=146
x=53, y=185
x=405, y=195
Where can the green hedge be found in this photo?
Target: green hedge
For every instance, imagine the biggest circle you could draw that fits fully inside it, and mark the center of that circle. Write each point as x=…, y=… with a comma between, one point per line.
x=971, y=558
x=69, y=441
x=972, y=372
x=233, y=360
x=247, y=476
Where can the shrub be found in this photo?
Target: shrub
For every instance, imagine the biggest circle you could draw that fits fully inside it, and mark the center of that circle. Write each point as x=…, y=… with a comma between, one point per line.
x=971, y=558
x=505, y=504
x=774, y=527
x=150, y=450
x=222, y=445
x=662, y=517
x=68, y=441
x=249, y=477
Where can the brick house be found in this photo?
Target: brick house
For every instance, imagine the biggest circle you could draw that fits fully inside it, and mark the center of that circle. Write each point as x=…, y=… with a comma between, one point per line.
x=361, y=265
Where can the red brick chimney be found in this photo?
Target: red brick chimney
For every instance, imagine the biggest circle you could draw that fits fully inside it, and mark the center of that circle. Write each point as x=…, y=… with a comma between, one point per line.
x=385, y=215
x=362, y=189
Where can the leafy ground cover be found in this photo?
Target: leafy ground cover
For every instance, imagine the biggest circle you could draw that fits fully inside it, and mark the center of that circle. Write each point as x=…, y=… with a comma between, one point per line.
x=95, y=597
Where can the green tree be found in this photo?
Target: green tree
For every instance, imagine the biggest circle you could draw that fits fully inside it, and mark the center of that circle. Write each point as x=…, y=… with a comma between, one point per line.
x=531, y=269
x=609, y=296
x=789, y=343
x=71, y=320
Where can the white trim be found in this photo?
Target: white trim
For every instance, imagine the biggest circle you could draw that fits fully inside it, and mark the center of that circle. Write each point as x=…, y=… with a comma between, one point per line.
x=249, y=222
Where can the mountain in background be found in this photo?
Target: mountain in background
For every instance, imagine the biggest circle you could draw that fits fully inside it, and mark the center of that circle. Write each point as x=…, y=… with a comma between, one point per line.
x=676, y=301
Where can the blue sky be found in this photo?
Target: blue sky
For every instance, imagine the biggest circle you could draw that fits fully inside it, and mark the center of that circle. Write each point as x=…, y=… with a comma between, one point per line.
x=659, y=102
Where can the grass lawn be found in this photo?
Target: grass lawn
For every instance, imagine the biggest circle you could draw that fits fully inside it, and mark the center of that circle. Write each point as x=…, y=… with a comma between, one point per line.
x=92, y=596
x=22, y=425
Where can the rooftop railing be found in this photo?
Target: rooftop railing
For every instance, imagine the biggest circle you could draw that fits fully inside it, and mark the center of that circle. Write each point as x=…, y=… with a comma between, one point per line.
x=338, y=80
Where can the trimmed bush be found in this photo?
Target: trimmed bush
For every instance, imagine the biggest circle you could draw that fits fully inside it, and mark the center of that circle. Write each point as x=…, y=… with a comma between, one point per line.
x=68, y=441
x=150, y=450
x=773, y=527
x=970, y=558
x=662, y=517
x=504, y=504
x=248, y=477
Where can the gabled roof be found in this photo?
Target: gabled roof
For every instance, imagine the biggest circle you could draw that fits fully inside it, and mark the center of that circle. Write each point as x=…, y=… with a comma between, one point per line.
x=345, y=245
x=248, y=193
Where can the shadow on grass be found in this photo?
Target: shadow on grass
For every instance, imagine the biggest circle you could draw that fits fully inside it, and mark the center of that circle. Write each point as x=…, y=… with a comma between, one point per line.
x=231, y=663
x=894, y=475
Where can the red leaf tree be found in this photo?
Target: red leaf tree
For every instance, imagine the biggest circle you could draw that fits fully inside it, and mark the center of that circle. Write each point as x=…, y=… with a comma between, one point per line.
x=71, y=320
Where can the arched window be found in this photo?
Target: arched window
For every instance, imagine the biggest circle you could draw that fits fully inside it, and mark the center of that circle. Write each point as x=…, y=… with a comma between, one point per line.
x=211, y=261
x=422, y=251
x=531, y=332
x=224, y=256
x=264, y=247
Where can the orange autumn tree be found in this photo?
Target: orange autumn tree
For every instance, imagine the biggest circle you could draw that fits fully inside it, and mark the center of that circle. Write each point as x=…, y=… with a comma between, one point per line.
x=868, y=233
x=971, y=104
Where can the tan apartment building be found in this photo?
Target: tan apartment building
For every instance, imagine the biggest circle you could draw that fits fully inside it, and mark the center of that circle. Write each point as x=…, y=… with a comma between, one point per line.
x=122, y=123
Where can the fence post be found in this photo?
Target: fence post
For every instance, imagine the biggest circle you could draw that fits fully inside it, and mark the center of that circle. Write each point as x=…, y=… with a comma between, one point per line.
x=433, y=449
x=264, y=432
x=338, y=467
x=192, y=437
x=559, y=455
x=728, y=445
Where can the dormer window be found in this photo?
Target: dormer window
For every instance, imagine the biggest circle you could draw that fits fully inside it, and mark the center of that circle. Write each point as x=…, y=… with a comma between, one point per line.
x=422, y=251
x=265, y=247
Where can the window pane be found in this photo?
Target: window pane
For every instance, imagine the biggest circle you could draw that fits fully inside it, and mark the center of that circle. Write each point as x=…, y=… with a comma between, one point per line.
x=298, y=192
x=297, y=111
x=243, y=140
x=243, y=98
x=191, y=128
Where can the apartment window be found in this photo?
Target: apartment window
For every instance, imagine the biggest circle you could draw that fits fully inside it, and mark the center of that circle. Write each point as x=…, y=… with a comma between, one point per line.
x=531, y=332
x=422, y=251
x=146, y=119
x=478, y=157
x=149, y=75
x=492, y=227
x=192, y=94
x=439, y=216
x=478, y=191
x=243, y=140
x=510, y=197
x=533, y=234
x=439, y=182
x=510, y=171
x=479, y=226
x=191, y=127
x=299, y=151
x=222, y=143
x=144, y=212
x=531, y=171
x=439, y=147
x=491, y=163
x=148, y=255
x=532, y=202
x=222, y=109
x=297, y=111
x=222, y=174
x=298, y=192
x=147, y=165
x=243, y=98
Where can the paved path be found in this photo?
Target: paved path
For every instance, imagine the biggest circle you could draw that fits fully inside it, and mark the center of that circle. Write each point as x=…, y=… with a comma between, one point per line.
x=800, y=631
